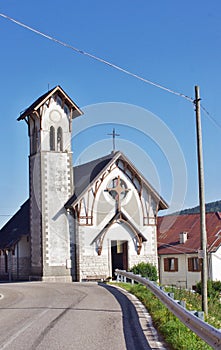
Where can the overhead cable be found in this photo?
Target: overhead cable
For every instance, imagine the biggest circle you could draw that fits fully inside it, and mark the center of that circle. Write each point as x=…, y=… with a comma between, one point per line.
x=98, y=59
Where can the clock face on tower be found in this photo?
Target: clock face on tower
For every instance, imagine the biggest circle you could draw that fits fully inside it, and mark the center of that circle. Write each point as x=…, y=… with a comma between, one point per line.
x=55, y=116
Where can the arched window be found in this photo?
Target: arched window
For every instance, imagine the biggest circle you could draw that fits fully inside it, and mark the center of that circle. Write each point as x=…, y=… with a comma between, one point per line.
x=52, y=138
x=59, y=139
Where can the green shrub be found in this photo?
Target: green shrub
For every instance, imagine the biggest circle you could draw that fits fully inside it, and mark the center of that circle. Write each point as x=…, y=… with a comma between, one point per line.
x=145, y=270
x=213, y=288
x=174, y=332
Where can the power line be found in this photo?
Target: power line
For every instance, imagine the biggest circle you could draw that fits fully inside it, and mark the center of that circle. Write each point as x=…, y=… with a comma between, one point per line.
x=210, y=117
x=190, y=99
x=98, y=58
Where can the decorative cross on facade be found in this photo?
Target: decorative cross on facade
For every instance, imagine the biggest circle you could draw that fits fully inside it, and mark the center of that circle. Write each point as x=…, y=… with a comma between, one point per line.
x=114, y=134
x=118, y=191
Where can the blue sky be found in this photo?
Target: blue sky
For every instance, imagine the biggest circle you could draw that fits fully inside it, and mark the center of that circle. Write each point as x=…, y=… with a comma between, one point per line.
x=176, y=44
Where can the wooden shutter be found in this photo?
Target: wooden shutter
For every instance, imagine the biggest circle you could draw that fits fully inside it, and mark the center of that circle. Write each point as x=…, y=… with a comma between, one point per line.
x=166, y=264
x=175, y=264
x=190, y=264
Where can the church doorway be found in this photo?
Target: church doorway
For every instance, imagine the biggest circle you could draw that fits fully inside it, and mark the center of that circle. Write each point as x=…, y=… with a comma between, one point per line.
x=119, y=255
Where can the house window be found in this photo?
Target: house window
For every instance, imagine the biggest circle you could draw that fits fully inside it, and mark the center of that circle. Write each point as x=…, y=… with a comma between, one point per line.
x=193, y=264
x=59, y=139
x=52, y=138
x=170, y=264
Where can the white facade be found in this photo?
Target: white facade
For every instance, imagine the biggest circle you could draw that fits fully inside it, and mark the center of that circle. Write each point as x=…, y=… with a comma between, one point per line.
x=103, y=222
x=215, y=265
x=182, y=277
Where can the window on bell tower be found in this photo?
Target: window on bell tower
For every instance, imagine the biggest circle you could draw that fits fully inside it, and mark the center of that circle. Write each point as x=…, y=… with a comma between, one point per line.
x=52, y=138
x=59, y=139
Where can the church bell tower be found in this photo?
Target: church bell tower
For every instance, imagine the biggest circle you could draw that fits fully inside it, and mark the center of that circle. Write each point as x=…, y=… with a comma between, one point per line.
x=49, y=121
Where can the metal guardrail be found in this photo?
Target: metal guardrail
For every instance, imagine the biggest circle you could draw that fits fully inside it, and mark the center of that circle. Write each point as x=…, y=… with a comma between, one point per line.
x=208, y=333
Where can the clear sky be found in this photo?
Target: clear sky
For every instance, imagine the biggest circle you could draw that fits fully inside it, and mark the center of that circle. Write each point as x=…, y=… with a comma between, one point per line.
x=174, y=43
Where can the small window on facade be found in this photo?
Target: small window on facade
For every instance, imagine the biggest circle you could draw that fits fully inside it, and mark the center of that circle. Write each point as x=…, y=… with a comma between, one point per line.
x=170, y=264
x=193, y=264
x=59, y=101
x=52, y=138
x=59, y=140
x=66, y=110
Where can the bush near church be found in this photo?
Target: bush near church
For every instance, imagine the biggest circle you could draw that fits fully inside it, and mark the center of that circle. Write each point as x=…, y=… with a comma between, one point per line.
x=213, y=289
x=145, y=270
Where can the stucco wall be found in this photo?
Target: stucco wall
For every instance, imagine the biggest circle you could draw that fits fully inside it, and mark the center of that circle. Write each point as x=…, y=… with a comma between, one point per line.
x=216, y=265
x=182, y=278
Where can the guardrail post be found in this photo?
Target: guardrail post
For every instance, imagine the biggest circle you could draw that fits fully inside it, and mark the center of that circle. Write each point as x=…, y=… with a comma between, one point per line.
x=171, y=295
x=200, y=314
x=182, y=303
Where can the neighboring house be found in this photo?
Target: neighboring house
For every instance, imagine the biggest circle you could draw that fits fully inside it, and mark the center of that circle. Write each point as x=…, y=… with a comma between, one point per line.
x=178, y=247
x=79, y=223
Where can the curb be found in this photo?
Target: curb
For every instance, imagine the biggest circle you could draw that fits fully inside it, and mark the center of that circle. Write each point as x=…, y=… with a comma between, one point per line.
x=145, y=321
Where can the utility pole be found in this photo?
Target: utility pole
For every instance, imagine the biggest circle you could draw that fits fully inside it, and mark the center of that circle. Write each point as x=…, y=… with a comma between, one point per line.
x=203, y=253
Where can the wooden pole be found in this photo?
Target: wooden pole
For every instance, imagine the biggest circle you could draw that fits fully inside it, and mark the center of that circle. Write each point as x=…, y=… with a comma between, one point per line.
x=203, y=255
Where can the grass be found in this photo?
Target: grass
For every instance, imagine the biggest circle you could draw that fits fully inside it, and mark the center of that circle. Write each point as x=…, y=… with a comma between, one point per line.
x=174, y=332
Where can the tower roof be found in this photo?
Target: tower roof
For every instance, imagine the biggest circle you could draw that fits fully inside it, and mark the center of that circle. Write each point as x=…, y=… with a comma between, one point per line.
x=42, y=99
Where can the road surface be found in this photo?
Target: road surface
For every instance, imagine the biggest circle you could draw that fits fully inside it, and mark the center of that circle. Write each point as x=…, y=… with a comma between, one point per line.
x=79, y=316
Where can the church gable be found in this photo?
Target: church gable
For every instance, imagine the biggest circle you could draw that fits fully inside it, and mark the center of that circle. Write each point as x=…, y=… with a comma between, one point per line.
x=115, y=211
x=111, y=184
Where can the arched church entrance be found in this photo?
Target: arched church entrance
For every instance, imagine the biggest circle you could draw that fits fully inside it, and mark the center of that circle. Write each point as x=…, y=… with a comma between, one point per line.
x=119, y=255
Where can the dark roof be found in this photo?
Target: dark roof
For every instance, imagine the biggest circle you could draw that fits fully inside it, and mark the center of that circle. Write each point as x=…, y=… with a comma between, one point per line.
x=43, y=98
x=16, y=227
x=84, y=174
x=169, y=227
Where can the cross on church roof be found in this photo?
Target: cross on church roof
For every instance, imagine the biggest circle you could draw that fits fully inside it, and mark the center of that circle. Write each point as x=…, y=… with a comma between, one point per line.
x=114, y=134
x=117, y=190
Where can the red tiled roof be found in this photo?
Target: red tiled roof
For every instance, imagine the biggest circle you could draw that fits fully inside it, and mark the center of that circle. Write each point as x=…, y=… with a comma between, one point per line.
x=169, y=228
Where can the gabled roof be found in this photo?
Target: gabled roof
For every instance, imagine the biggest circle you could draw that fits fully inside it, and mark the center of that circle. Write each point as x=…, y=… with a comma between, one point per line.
x=86, y=174
x=169, y=227
x=16, y=227
x=42, y=99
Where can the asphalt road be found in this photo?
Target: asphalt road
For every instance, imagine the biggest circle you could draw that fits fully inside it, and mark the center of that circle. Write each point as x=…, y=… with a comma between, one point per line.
x=79, y=316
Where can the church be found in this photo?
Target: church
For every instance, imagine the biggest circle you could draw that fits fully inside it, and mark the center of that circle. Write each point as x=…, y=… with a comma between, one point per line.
x=79, y=223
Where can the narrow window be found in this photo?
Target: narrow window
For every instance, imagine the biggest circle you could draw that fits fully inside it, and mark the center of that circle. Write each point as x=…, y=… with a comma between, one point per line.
x=6, y=263
x=59, y=101
x=52, y=138
x=34, y=139
x=59, y=140
x=66, y=110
